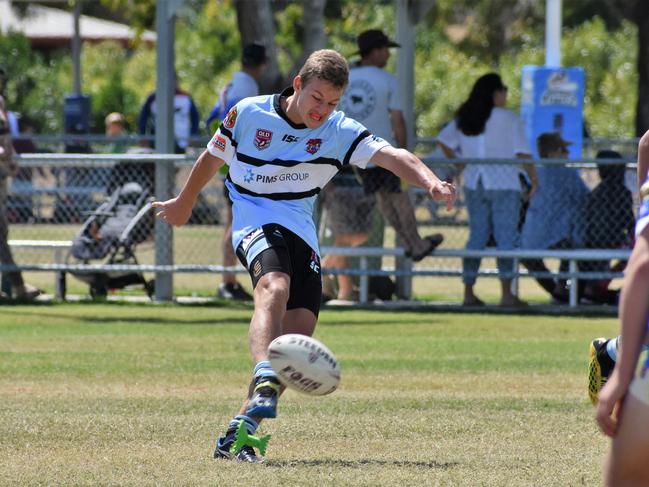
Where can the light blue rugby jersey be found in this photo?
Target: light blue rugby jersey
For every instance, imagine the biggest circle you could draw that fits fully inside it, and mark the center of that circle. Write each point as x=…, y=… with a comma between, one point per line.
x=277, y=167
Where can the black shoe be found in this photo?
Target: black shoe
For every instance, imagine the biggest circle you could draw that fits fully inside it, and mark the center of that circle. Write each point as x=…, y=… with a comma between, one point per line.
x=245, y=454
x=234, y=291
x=600, y=367
x=263, y=403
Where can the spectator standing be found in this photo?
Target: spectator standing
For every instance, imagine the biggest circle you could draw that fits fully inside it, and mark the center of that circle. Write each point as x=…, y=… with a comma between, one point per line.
x=244, y=84
x=9, y=167
x=20, y=204
x=186, y=118
x=552, y=219
x=350, y=215
x=485, y=129
x=372, y=98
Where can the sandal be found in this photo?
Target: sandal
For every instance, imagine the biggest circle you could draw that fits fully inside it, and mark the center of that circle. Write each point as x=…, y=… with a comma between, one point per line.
x=433, y=242
x=474, y=303
x=28, y=293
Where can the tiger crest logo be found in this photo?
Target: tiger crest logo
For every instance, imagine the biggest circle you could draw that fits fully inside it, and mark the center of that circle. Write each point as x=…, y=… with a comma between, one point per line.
x=231, y=118
x=313, y=145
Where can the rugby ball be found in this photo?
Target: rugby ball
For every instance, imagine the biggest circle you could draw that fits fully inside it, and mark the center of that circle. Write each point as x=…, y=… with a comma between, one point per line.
x=304, y=364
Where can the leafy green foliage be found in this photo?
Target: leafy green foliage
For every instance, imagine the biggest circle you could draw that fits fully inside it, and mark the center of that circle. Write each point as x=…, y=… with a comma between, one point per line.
x=33, y=87
x=453, y=49
x=141, y=12
x=611, y=76
x=445, y=78
x=207, y=51
x=103, y=68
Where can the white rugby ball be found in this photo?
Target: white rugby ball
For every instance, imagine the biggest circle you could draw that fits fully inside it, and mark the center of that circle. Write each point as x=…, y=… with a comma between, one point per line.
x=304, y=364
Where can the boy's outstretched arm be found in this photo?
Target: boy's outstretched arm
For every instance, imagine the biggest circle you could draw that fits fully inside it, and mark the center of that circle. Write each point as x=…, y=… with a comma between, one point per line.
x=177, y=211
x=411, y=169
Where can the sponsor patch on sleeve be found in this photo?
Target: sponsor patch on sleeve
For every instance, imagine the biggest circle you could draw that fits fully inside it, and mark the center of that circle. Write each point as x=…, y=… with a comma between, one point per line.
x=218, y=142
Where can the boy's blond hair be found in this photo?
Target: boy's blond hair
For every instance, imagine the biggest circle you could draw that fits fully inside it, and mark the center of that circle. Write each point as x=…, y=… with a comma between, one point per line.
x=327, y=65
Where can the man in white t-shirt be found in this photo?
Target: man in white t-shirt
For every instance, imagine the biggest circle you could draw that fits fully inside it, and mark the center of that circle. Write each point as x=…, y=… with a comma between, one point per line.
x=372, y=98
x=186, y=118
x=243, y=85
x=281, y=150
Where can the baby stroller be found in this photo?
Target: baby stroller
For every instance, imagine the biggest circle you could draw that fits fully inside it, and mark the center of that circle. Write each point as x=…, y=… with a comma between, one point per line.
x=111, y=234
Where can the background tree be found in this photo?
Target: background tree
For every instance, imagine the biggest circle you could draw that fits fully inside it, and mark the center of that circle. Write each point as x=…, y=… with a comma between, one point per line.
x=255, y=19
x=456, y=42
x=637, y=11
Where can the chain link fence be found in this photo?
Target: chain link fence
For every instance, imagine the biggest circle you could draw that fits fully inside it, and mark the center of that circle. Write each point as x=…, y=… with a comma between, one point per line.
x=92, y=199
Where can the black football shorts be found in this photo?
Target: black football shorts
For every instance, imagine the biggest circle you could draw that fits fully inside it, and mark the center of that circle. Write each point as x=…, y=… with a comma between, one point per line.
x=274, y=248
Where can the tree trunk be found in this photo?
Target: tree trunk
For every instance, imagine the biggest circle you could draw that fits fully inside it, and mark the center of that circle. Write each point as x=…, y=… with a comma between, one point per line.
x=642, y=107
x=314, y=36
x=255, y=20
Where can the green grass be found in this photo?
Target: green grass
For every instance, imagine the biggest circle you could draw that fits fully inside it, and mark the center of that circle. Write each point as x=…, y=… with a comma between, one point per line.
x=135, y=395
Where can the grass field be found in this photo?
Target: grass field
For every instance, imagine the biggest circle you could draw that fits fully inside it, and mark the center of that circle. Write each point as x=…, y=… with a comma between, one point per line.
x=102, y=394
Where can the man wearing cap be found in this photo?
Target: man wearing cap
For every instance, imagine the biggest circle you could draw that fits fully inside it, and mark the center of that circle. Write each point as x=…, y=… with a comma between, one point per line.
x=552, y=219
x=244, y=84
x=372, y=98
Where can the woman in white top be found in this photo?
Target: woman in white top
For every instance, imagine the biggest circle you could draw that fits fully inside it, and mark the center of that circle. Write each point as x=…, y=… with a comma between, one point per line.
x=484, y=129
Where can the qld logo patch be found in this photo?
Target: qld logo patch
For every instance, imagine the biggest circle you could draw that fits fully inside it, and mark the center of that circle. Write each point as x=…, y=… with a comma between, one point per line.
x=231, y=118
x=313, y=145
x=263, y=138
